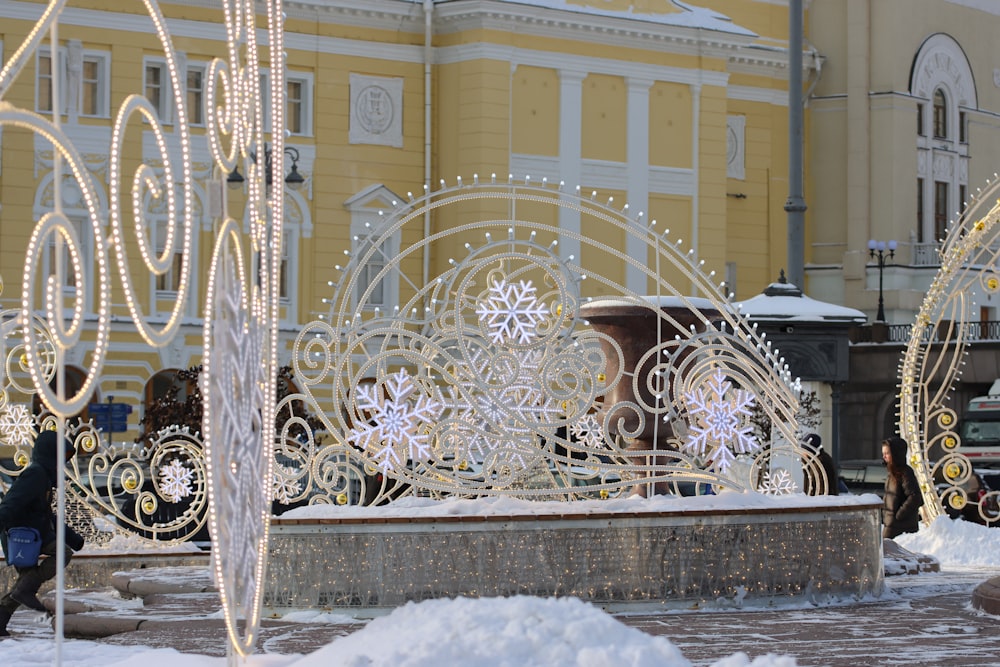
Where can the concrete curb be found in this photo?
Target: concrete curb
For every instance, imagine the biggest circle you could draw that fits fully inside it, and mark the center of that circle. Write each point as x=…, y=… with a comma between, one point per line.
x=986, y=596
x=96, y=627
x=129, y=583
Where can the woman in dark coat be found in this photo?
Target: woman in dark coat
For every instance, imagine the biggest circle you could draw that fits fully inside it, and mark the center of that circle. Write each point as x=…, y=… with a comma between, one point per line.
x=902, y=498
x=29, y=503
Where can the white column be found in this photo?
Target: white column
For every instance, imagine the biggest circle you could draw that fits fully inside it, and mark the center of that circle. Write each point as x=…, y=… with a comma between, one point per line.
x=637, y=170
x=570, y=153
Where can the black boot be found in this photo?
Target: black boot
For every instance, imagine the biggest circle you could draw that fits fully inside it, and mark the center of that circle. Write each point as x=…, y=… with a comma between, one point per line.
x=5, y=614
x=24, y=591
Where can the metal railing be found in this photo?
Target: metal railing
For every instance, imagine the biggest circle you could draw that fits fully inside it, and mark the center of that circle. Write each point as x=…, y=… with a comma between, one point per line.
x=900, y=333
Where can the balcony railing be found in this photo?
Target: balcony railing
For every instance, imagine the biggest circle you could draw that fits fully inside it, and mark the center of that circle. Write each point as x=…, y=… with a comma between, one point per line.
x=900, y=333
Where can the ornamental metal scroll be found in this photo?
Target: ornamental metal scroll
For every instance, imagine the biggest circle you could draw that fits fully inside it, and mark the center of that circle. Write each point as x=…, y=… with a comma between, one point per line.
x=934, y=357
x=141, y=200
x=490, y=379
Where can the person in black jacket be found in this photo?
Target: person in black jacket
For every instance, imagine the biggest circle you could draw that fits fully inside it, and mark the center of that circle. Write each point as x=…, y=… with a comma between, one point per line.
x=29, y=503
x=902, y=499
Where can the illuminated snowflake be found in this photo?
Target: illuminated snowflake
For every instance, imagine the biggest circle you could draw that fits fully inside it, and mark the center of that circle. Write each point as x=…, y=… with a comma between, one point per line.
x=394, y=428
x=499, y=405
x=588, y=431
x=175, y=481
x=17, y=428
x=778, y=483
x=720, y=421
x=286, y=484
x=512, y=312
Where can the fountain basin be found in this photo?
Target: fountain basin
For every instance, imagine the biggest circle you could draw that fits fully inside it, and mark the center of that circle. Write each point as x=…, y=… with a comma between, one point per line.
x=685, y=558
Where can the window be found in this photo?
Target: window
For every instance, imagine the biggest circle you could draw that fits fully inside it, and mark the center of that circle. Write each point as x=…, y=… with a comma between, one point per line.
x=82, y=77
x=920, y=210
x=963, y=194
x=940, y=209
x=90, y=88
x=963, y=123
x=940, y=115
x=171, y=280
x=196, y=95
x=160, y=93
x=368, y=273
x=920, y=120
x=298, y=102
x=57, y=257
x=371, y=291
x=285, y=266
x=294, y=106
x=288, y=254
x=44, y=83
x=155, y=88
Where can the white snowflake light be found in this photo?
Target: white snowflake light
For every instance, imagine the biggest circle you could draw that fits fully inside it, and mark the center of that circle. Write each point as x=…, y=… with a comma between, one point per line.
x=394, y=428
x=175, y=481
x=720, y=421
x=512, y=312
x=17, y=428
x=286, y=484
x=499, y=424
x=588, y=431
x=778, y=483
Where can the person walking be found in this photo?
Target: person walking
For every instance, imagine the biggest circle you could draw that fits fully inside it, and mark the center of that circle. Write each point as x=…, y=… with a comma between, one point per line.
x=29, y=503
x=902, y=499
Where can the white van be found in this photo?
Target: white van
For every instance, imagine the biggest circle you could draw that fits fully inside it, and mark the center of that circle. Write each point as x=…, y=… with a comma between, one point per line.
x=980, y=428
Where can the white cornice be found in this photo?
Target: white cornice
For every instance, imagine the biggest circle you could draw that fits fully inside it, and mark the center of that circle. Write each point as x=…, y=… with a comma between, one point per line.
x=773, y=96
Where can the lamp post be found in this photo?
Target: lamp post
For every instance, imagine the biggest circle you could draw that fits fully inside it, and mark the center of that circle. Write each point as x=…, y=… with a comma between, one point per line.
x=877, y=250
x=294, y=179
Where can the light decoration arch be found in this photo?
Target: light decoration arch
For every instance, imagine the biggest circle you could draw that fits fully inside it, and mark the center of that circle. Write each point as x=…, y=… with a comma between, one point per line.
x=934, y=357
x=238, y=323
x=486, y=379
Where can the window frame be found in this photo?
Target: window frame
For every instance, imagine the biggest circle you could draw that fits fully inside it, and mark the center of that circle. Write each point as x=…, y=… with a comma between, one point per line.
x=163, y=107
x=59, y=72
x=939, y=118
x=305, y=115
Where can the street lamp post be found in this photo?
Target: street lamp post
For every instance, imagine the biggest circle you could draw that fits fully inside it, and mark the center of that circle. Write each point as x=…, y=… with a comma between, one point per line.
x=877, y=250
x=293, y=180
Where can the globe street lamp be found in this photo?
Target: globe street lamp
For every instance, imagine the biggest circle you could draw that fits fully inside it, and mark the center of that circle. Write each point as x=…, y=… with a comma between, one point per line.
x=876, y=250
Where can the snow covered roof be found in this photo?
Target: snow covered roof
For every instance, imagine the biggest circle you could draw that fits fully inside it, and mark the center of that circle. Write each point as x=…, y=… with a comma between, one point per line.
x=783, y=301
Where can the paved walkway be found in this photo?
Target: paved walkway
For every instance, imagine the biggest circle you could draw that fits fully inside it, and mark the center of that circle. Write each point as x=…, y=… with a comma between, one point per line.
x=925, y=619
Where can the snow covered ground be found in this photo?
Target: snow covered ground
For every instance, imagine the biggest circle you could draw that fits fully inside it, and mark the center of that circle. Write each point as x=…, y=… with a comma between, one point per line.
x=533, y=632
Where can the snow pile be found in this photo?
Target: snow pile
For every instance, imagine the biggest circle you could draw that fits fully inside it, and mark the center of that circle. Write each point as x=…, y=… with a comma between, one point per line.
x=520, y=631
x=955, y=543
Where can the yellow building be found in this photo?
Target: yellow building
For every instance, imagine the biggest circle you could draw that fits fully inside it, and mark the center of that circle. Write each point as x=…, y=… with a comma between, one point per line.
x=679, y=109
x=904, y=128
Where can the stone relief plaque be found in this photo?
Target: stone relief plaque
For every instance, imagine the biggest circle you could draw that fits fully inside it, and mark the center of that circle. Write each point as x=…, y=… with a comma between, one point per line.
x=376, y=110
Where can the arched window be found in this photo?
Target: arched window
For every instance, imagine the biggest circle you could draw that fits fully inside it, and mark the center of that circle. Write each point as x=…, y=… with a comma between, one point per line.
x=940, y=115
x=944, y=94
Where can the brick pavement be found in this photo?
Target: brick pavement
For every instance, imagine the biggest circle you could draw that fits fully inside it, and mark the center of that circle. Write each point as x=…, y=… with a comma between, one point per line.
x=926, y=620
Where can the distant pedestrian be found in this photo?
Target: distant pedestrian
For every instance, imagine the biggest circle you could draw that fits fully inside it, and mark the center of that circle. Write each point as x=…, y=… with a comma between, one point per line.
x=814, y=443
x=28, y=503
x=902, y=499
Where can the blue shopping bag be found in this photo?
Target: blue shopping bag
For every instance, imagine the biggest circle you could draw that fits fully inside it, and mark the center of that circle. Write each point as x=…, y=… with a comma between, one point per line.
x=23, y=546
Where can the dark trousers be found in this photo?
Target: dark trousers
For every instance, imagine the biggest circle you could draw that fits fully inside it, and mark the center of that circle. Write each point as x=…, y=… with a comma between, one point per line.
x=30, y=579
